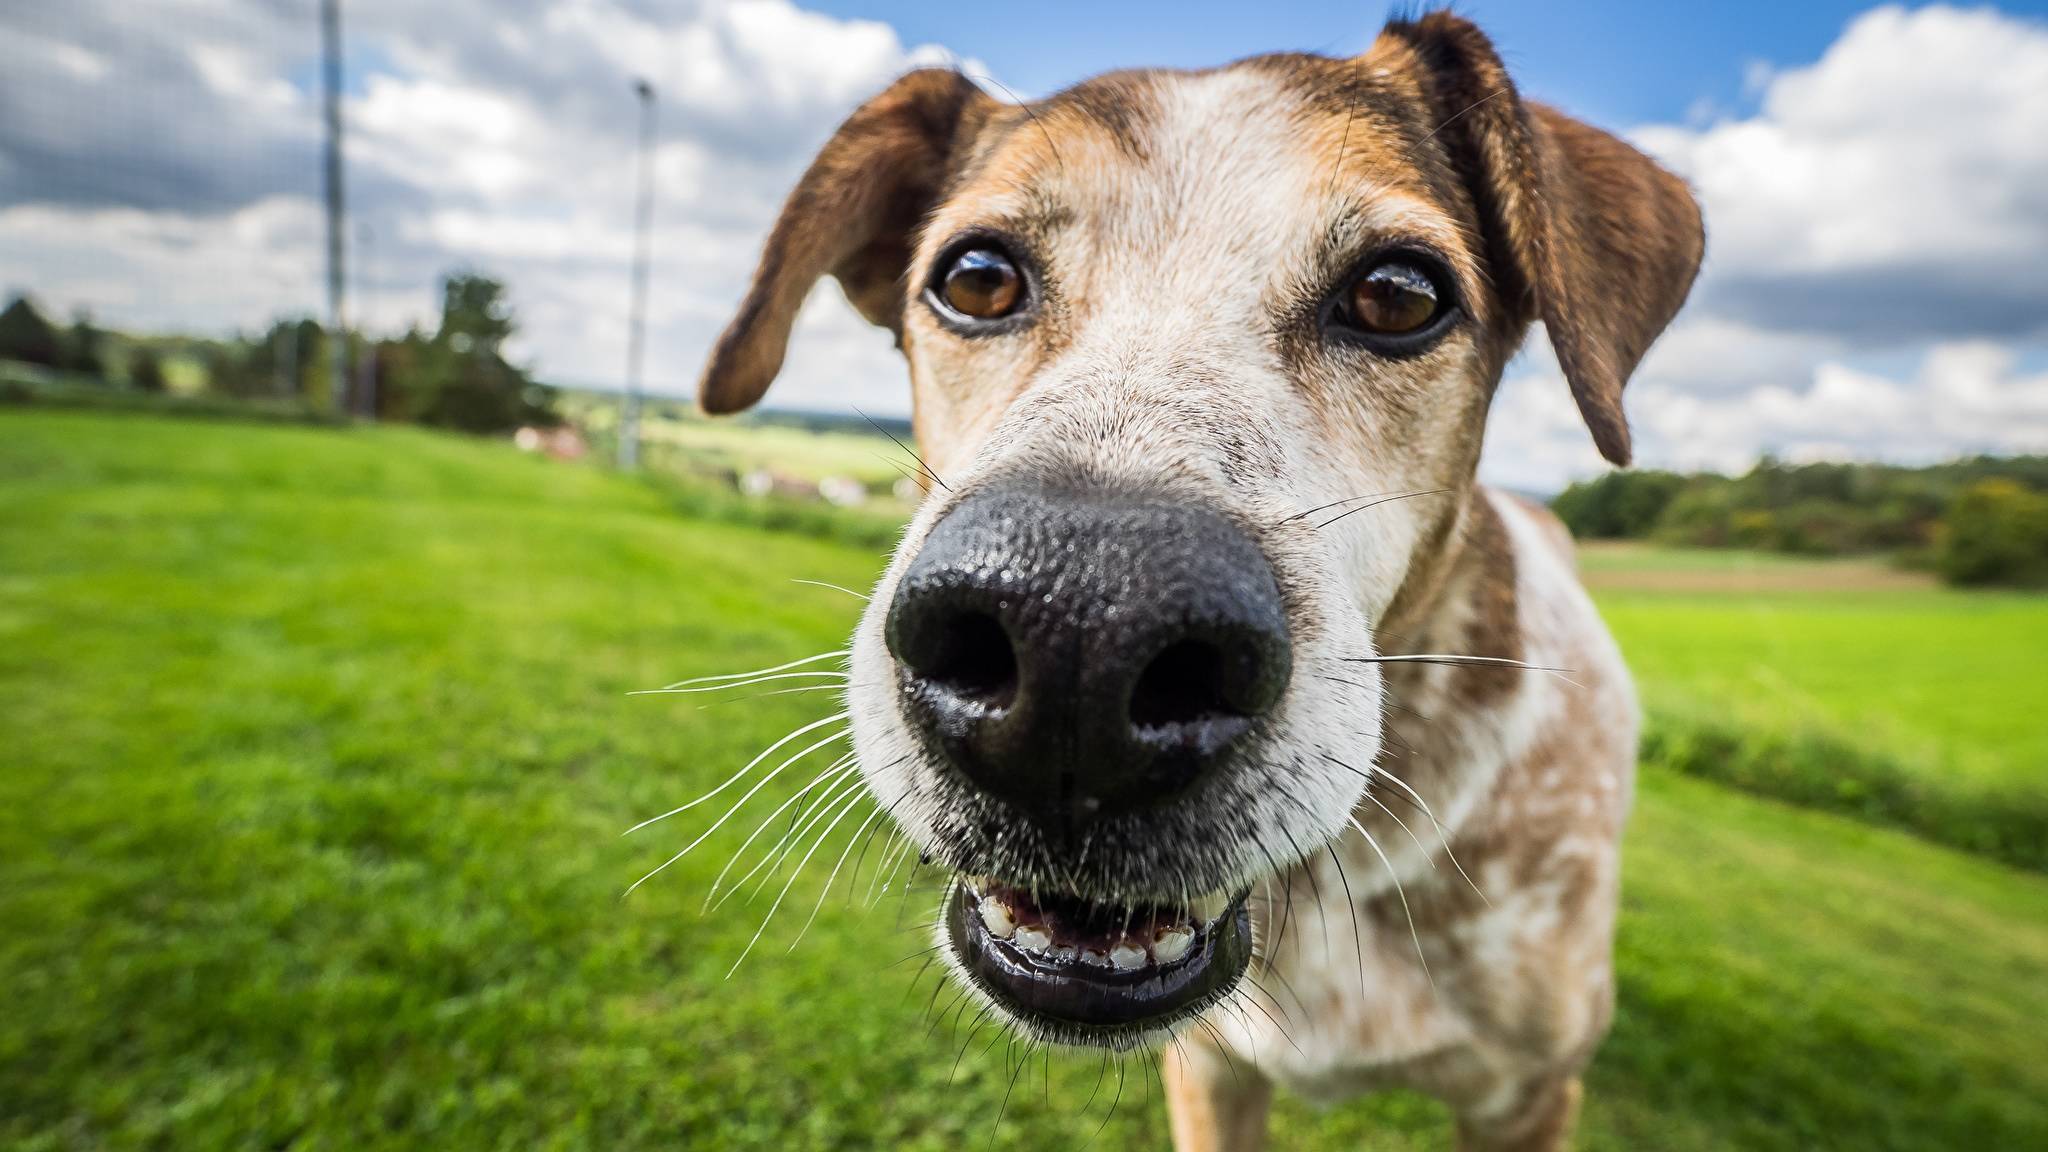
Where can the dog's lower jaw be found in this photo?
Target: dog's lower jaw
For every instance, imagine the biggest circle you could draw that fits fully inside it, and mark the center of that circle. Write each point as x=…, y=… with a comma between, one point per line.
x=1068, y=973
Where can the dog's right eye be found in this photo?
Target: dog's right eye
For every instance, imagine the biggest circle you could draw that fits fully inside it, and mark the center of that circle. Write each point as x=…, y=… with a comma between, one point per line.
x=1397, y=306
x=980, y=282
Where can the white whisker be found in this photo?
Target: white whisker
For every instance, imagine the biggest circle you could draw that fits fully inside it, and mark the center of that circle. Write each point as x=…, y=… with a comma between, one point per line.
x=739, y=683
x=1402, y=893
x=1404, y=827
x=735, y=777
x=831, y=878
x=761, y=671
x=832, y=772
x=1441, y=835
x=845, y=806
x=834, y=587
x=1456, y=658
x=844, y=781
x=737, y=805
x=891, y=860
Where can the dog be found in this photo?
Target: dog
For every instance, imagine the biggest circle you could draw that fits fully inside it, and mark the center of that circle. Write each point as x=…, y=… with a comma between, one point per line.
x=1246, y=721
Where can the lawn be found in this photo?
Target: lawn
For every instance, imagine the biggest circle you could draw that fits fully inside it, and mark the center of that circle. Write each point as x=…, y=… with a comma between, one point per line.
x=1952, y=680
x=315, y=756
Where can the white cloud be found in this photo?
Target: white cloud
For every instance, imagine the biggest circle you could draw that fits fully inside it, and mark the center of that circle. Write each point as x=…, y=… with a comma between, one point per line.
x=1967, y=397
x=1888, y=201
x=496, y=137
x=1897, y=187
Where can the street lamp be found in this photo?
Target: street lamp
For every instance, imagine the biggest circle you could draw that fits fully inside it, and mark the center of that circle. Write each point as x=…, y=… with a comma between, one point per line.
x=337, y=320
x=636, y=340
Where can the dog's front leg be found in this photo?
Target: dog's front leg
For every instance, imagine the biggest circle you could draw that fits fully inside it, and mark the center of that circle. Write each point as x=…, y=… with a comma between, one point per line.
x=1216, y=1105
x=1540, y=1120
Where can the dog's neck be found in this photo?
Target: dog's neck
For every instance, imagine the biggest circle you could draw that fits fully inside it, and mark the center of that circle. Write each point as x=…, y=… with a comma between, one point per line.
x=1448, y=568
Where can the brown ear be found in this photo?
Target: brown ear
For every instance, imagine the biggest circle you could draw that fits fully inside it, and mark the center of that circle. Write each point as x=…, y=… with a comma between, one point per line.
x=1582, y=230
x=853, y=215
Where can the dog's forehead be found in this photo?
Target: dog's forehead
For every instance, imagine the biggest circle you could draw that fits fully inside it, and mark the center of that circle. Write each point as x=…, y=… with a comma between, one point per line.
x=1275, y=148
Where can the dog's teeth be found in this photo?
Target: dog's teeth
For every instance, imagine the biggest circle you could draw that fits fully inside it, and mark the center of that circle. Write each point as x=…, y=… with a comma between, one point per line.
x=1172, y=945
x=1034, y=938
x=1063, y=952
x=1127, y=956
x=996, y=918
x=1095, y=956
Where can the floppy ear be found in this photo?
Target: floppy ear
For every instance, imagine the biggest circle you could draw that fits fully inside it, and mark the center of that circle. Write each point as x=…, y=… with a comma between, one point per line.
x=853, y=215
x=1582, y=230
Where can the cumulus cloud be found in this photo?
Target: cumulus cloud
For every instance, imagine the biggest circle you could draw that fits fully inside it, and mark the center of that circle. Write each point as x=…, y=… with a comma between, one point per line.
x=1895, y=189
x=1964, y=398
x=162, y=167
x=1878, y=218
x=1886, y=202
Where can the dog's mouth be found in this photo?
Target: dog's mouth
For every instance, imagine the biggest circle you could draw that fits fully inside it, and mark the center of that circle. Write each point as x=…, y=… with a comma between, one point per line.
x=1089, y=973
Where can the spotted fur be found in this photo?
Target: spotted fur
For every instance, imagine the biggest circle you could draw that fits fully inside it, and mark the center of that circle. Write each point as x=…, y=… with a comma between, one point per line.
x=1181, y=232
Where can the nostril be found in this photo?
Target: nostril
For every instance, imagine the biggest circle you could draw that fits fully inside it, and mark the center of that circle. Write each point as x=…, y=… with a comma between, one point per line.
x=972, y=658
x=1185, y=684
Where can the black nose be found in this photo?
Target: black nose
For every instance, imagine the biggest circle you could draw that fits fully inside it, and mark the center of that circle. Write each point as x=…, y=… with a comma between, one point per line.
x=1083, y=655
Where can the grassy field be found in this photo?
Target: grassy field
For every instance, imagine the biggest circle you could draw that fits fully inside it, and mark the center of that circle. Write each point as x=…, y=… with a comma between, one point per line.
x=1848, y=685
x=1952, y=679
x=317, y=749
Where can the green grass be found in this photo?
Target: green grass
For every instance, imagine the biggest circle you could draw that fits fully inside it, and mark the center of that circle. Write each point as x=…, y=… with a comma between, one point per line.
x=1842, y=684
x=1924, y=673
x=795, y=451
x=314, y=758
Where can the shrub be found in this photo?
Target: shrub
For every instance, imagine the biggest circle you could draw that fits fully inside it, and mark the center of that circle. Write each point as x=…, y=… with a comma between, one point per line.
x=27, y=337
x=1996, y=532
x=146, y=371
x=1816, y=769
x=1617, y=505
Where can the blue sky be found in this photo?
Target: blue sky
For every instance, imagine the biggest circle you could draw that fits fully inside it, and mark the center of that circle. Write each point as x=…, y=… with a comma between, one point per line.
x=1875, y=181
x=1610, y=60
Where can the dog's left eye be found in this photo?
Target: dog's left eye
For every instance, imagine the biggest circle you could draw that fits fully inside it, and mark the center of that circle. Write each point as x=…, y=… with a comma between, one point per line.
x=1393, y=299
x=980, y=283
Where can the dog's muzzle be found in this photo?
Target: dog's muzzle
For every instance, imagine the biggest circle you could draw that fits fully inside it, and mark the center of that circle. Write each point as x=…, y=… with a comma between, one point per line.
x=1081, y=663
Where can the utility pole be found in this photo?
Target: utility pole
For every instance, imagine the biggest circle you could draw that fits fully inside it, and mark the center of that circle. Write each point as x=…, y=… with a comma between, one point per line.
x=337, y=326
x=366, y=364
x=636, y=339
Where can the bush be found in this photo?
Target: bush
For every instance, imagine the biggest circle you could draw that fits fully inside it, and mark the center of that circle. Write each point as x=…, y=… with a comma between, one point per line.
x=1617, y=505
x=27, y=337
x=1996, y=532
x=146, y=372
x=1815, y=769
x=704, y=498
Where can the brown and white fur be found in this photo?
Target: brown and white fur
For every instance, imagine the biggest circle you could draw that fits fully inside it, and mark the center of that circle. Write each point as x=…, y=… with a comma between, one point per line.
x=1185, y=224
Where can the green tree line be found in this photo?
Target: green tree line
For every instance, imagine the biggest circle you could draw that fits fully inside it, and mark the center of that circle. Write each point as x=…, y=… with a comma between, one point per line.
x=1979, y=520
x=454, y=376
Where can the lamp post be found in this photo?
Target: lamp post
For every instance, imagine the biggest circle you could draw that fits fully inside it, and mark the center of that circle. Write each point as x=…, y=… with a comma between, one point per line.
x=337, y=321
x=366, y=363
x=636, y=339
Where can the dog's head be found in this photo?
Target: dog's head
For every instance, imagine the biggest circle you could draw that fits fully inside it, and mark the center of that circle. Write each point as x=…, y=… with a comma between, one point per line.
x=1167, y=332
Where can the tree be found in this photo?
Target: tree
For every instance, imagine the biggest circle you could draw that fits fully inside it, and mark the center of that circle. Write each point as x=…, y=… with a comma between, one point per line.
x=474, y=314
x=146, y=371
x=1996, y=532
x=283, y=359
x=84, y=352
x=26, y=336
x=1617, y=505
x=459, y=377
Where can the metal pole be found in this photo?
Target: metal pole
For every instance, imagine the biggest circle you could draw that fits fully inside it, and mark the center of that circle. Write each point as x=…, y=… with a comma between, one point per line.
x=636, y=340
x=337, y=323
x=366, y=365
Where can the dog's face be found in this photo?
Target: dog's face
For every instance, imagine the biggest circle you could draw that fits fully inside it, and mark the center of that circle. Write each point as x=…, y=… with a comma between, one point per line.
x=1200, y=365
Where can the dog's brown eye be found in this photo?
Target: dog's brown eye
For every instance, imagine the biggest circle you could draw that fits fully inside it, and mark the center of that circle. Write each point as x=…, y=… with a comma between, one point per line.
x=1394, y=299
x=983, y=284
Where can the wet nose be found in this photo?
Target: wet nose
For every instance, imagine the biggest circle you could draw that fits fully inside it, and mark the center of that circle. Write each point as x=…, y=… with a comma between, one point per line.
x=1086, y=655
